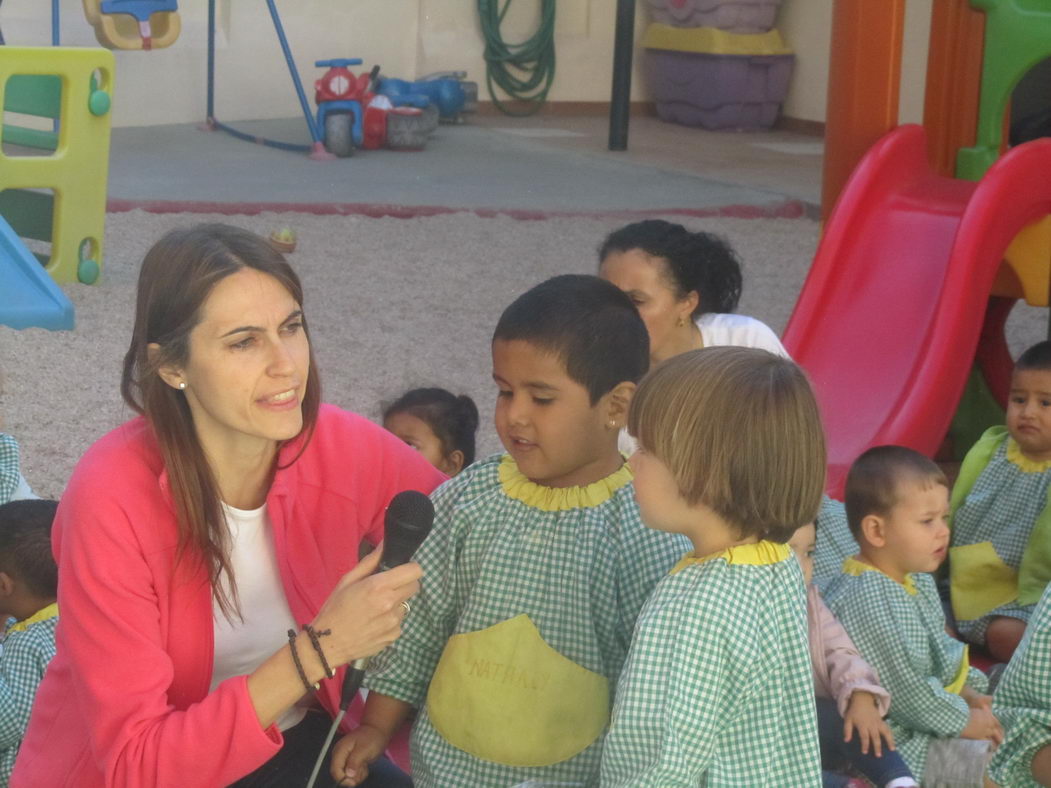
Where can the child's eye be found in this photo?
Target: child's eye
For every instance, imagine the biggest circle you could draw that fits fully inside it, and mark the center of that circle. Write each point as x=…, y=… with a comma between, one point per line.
x=1018, y=400
x=810, y=553
x=541, y=401
x=503, y=393
x=1045, y=403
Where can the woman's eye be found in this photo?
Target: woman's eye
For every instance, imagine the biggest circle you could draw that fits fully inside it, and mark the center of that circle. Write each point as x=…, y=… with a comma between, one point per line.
x=503, y=393
x=244, y=344
x=291, y=328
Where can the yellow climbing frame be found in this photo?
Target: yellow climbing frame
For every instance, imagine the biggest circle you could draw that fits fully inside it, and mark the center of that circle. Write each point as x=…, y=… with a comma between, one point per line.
x=76, y=170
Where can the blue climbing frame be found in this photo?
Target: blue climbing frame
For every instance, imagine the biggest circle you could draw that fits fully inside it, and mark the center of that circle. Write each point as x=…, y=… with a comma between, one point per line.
x=317, y=149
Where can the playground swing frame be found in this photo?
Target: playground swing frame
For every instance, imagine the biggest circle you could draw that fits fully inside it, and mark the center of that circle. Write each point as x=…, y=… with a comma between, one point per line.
x=316, y=150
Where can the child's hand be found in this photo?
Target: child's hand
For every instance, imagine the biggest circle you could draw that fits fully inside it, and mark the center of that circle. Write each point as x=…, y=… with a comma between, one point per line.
x=976, y=700
x=354, y=752
x=983, y=725
x=863, y=717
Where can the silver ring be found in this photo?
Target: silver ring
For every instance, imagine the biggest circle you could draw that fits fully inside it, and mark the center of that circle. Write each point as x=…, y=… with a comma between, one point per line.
x=406, y=606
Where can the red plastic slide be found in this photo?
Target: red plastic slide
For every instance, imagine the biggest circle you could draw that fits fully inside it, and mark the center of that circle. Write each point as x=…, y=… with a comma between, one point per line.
x=891, y=311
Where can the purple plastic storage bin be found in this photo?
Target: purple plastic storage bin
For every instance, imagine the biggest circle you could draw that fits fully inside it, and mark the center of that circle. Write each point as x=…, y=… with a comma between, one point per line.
x=718, y=91
x=735, y=16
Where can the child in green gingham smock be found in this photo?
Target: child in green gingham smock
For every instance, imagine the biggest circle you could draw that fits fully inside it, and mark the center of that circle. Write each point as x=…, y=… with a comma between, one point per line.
x=1001, y=508
x=576, y=561
x=28, y=648
x=710, y=696
x=900, y=630
x=1022, y=702
x=834, y=544
x=12, y=486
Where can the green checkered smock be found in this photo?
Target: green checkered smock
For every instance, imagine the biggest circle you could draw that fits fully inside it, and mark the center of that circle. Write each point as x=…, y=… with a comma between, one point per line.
x=28, y=648
x=718, y=687
x=835, y=543
x=1022, y=702
x=9, y=467
x=900, y=631
x=577, y=561
x=1001, y=508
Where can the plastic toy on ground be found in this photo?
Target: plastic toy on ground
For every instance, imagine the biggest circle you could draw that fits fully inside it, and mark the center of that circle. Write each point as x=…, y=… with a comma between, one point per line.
x=736, y=16
x=28, y=296
x=890, y=316
x=134, y=24
x=72, y=216
x=341, y=98
x=702, y=76
x=451, y=96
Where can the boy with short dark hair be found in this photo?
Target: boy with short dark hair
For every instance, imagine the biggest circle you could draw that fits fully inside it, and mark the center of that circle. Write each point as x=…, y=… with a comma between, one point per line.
x=28, y=588
x=897, y=504
x=536, y=568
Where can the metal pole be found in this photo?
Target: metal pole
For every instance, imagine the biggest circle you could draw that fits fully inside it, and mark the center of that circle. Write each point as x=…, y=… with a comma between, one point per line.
x=55, y=27
x=620, y=100
x=210, y=110
x=315, y=134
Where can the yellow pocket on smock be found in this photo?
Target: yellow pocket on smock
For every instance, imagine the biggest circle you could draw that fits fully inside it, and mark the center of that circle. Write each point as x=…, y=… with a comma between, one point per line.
x=504, y=695
x=979, y=580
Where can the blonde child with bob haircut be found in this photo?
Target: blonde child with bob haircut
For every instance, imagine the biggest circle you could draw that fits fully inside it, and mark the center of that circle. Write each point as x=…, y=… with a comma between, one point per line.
x=717, y=687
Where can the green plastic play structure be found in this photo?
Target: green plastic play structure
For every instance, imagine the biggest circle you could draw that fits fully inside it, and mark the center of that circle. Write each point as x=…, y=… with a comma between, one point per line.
x=1017, y=37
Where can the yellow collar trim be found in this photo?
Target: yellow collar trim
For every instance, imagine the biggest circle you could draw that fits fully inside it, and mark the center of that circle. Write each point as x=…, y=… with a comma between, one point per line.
x=558, y=499
x=1015, y=456
x=758, y=554
x=854, y=567
x=51, y=611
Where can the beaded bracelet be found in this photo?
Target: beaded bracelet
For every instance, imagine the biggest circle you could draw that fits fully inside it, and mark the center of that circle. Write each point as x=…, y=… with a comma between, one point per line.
x=315, y=641
x=299, y=665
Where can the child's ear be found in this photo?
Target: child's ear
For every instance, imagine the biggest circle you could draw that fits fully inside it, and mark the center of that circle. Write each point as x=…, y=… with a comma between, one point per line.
x=874, y=530
x=617, y=402
x=452, y=463
x=7, y=585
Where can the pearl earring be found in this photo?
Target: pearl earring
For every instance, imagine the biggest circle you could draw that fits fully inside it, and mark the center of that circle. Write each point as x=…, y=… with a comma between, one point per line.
x=182, y=385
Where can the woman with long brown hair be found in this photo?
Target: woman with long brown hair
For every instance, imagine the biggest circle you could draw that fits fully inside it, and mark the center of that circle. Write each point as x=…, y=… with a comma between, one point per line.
x=207, y=549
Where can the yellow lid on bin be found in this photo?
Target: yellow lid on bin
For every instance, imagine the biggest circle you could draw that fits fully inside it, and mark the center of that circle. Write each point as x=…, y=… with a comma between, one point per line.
x=712, y=41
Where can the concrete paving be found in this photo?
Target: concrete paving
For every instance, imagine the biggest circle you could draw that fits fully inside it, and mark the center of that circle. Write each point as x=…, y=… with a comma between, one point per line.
x=548, y=164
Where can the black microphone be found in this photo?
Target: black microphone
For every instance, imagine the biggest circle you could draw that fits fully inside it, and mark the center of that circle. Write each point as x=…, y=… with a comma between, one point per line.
x=409, y=518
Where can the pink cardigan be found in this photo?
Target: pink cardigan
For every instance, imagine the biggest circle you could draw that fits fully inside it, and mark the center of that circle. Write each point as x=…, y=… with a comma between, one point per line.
x=839, y=669
x=125, y=701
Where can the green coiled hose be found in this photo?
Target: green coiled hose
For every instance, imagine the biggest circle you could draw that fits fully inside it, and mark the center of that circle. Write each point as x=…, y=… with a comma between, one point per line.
x=525, y=71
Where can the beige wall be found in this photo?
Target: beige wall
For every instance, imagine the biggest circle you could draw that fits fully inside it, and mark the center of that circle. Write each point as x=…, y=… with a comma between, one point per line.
x=409, y=38
x=807, y=28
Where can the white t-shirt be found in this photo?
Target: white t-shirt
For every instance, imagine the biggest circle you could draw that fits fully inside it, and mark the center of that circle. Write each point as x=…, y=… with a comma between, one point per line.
x=245, y=643
x=740, y=331
x=720, y=329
